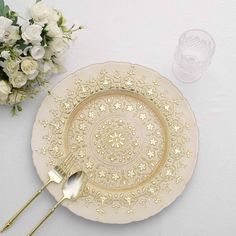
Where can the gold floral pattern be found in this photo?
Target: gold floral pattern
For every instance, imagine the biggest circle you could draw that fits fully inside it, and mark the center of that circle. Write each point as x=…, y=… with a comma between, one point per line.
x=117, y=140
x=114, y=140
x=128, y=136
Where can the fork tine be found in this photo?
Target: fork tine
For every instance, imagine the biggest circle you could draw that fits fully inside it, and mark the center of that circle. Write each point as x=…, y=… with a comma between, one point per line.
x=63, y=162
x=67, y=163
x=67, y=160
x=65, y=166
x=58, y=170
x=69, y=166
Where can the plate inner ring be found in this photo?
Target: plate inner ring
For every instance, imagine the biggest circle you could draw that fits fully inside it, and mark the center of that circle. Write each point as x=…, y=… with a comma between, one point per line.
x=120, y=138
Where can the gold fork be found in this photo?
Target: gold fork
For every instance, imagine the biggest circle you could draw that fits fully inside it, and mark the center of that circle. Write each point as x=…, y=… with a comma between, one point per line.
x=56, y=175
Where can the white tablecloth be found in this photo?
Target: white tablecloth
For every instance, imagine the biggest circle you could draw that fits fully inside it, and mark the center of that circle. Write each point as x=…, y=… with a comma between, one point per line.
x=143, y=32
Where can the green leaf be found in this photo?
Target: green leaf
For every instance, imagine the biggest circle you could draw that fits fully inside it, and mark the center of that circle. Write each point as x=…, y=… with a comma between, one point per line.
x=2, y=7
x=60, y=22
x=6, y=10
x=38, y=1
x=19, y=108
x=21, y=44
x=2, y=4
x=31, y=21
x=12, y=16
x=3, y=75
x=13, y=110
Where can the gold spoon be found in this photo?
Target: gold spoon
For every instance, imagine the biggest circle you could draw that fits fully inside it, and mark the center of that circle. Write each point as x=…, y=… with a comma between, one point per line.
x=56, y=175
x=72, y=190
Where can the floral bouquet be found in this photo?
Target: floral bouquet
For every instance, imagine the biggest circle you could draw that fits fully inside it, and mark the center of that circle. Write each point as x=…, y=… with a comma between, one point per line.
x=31, y=51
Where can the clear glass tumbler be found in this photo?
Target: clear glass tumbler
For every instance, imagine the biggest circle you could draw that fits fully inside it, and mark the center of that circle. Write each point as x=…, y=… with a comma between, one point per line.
x=193, y=55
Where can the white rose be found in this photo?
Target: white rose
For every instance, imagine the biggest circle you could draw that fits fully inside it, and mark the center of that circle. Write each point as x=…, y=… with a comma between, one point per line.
x=37, y=52
x=5, y=54
x=16, y=97
x=53, y=30
x=59, y=46
x=12, y=35
x=29, y=66
x=58, y=60
x=26, y=50
x=41, y=13
x=46, y=66
x=32, y=33
x=11, y=67
x=54, y=16
x=4, y=24
x=18, y=79
x=33, y=76
x=58, y=69
x=48, y=53
x=5, y=90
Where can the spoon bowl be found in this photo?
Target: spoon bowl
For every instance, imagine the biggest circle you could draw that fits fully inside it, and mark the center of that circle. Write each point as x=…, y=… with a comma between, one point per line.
x=74, y=186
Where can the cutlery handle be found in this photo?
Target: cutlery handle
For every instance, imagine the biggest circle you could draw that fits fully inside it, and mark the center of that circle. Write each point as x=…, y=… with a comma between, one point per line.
x=51, y=211
x=13, y=219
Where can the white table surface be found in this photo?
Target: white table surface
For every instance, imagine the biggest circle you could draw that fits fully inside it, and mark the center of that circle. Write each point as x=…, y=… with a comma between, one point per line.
x=143, y=32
